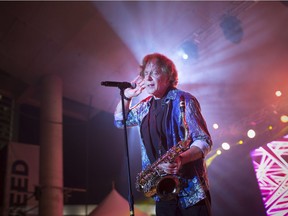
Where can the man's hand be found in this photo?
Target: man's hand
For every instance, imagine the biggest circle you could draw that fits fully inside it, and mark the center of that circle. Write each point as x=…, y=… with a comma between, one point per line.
x=171, y=168
x=134, y=92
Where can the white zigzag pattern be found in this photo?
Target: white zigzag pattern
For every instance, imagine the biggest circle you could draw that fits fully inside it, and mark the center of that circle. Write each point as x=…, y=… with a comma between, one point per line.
x=271, y=167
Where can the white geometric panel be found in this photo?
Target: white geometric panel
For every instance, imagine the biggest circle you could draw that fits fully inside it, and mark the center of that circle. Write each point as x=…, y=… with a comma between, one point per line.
x=271, y=168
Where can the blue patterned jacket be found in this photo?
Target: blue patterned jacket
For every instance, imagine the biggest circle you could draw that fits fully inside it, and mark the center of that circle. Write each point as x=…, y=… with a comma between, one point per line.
x=194, y=173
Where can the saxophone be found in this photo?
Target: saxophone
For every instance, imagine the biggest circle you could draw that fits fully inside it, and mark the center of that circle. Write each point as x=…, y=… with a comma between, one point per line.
x=153, y=180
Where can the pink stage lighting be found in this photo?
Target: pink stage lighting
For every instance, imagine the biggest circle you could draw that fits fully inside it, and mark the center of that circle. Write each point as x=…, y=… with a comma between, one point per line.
x=271, y=168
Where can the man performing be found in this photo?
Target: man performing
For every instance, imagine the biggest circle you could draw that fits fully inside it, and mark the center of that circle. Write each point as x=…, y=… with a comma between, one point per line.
x=174, y=140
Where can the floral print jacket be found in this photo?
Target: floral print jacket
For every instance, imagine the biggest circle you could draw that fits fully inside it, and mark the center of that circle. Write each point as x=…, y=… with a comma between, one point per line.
x=194, y=174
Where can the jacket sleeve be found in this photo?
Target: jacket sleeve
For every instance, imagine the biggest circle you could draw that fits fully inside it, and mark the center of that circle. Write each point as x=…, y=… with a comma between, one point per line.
x=197, y=126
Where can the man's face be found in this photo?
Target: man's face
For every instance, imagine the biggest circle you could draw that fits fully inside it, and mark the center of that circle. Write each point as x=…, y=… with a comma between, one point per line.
x=155, y=81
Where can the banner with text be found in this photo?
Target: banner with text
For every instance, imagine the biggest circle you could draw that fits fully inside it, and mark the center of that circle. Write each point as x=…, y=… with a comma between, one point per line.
x=22, y=179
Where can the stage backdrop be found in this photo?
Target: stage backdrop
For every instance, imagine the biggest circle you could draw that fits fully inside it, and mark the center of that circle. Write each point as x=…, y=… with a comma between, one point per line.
x=271, y=168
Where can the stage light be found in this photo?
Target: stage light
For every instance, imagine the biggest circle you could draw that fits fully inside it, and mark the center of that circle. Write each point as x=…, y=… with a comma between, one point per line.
x=210, y=159
x=278, y=93
x=189, y=50
x=185, y=56
x=270, y=127
x=240, y=142
x=251, y=133
x=284, y=118
x=225, y=146
x=218, y=152
x=215, y=126
x=232, y=29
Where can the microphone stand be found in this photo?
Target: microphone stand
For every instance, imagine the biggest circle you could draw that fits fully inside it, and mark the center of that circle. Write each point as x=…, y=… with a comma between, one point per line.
x=122, y=86
x=130, y=195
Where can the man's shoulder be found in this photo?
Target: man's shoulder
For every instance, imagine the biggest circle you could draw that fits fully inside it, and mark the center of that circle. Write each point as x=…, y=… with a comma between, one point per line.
x=176, y=93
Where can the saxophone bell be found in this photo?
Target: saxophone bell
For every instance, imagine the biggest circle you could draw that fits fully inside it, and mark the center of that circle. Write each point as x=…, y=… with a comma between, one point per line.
x=152, y=181
x=168, y=187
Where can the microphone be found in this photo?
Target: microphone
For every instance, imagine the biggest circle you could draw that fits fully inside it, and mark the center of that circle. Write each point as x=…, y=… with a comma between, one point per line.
x=121, y=85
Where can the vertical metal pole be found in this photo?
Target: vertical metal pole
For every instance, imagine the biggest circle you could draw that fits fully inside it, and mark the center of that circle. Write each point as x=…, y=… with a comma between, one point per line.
x=130, y=195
